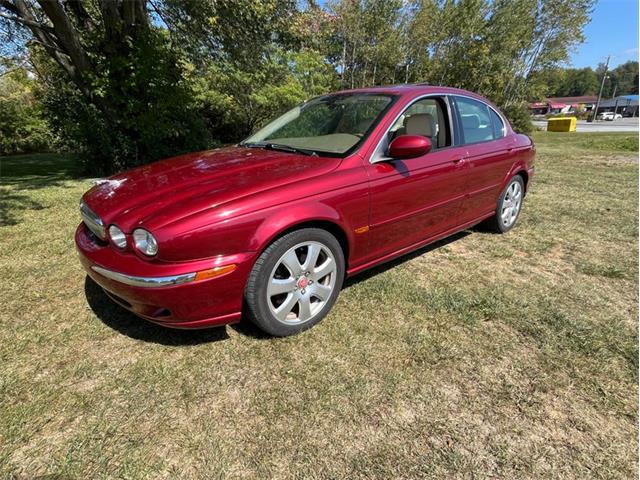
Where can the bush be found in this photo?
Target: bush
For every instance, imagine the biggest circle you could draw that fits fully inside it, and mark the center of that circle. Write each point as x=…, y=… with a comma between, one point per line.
x=151, y=111
x=23, y=128
x=519, y=118
x=236, y=100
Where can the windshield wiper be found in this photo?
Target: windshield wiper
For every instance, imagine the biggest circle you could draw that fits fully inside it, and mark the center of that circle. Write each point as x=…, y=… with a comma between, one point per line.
x=279, y=147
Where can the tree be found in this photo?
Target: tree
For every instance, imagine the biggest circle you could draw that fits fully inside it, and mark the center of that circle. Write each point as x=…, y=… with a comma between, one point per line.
x=58, y=28
x=494, y=47
x=111, y=79
x=569, y=82
x=23, y=128
x=368, y=35
x=623, y=79
x=129, y=81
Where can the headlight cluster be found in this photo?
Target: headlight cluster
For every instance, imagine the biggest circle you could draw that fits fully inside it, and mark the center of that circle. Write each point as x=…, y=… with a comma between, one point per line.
x=142, y=240
x=117, y=237
x=145, y=242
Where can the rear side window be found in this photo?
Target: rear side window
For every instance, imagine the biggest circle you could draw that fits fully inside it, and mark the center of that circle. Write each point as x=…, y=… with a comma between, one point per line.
x=498, y=125
x=476, y=120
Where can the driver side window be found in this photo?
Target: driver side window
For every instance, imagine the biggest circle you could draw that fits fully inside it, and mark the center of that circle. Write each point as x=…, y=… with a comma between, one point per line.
x=427, y=118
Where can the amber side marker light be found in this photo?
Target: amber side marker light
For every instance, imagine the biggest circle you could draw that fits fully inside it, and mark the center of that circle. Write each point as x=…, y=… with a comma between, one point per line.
x=214, y=272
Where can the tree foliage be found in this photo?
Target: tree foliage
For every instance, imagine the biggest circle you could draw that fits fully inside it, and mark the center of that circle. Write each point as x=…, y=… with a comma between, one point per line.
x=623, y=80
x=570, y=82
x=112, y=83
x=130, y=81
x=23, y=128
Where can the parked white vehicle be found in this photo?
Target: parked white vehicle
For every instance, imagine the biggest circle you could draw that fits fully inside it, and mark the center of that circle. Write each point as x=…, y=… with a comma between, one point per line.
x=609, y=116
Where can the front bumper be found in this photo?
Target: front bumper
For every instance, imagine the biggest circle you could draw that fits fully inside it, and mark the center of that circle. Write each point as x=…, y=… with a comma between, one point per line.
x=165, y=293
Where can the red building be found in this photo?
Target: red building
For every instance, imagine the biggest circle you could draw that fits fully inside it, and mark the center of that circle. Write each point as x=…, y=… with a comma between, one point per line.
x=563, y=105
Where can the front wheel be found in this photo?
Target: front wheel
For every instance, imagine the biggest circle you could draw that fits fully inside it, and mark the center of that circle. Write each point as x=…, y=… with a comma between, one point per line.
x=509, y=206
x=295, y=282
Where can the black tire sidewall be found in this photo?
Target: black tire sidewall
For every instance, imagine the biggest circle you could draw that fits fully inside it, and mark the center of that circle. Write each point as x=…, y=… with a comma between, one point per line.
x=256, y=290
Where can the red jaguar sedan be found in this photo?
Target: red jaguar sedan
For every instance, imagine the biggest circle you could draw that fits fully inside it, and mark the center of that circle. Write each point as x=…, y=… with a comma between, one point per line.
x=271, y=227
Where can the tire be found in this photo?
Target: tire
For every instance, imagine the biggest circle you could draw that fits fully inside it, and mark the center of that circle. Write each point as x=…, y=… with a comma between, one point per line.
x=288, y=291
x=498, y=223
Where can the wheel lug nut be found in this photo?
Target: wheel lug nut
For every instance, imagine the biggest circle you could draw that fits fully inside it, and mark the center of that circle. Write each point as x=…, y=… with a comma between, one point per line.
x=303, y=291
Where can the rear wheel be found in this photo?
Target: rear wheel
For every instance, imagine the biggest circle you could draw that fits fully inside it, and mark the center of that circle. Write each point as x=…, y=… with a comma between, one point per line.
x=295, y=282
x=509, y=206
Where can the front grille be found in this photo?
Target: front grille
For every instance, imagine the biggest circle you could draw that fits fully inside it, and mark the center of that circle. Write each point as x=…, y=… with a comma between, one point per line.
x=92, y=221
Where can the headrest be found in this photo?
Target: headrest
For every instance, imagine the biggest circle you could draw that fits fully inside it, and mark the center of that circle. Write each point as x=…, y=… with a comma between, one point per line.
x=470, y=121
x=420, y=124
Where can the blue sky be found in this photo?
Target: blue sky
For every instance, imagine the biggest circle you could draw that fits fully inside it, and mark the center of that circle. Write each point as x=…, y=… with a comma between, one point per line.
x=613, y=30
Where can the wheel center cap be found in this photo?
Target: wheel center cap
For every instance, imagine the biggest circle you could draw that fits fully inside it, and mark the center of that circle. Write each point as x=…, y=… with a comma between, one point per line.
x=303, y=282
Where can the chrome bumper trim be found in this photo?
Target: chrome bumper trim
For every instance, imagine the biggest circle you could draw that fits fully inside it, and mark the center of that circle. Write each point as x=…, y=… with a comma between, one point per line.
x=92, y=221
x=144, y=282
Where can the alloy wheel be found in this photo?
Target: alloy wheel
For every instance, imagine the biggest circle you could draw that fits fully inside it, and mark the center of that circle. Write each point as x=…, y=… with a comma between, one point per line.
x=511, y=204
x=302, y=282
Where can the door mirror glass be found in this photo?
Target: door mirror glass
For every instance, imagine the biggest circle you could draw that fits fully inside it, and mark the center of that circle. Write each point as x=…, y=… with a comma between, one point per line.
x=409, y=146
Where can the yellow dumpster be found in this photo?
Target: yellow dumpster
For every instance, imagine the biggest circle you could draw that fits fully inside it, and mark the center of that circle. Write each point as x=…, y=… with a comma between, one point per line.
x=564, y=124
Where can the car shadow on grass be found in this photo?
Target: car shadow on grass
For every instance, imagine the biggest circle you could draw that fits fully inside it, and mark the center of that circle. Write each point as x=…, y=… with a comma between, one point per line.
x=372, y=272
x=245, y=327
x=125, y=322
x=20, y=175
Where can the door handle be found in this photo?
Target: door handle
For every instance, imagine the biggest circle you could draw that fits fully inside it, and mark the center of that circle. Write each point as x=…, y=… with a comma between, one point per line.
x=459, y=161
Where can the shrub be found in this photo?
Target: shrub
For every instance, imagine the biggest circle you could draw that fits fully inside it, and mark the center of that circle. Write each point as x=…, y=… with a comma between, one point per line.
x=236, y=100
x=519, y=118
x=23, y=128
x=152, y=112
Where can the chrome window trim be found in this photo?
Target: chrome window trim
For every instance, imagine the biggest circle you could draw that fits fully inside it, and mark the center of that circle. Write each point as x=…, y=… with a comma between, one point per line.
x=92, y=221
x=378, y=156
x=144, y=282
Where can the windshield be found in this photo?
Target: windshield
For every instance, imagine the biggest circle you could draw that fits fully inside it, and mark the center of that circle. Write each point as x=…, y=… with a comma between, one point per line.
x=332, y=124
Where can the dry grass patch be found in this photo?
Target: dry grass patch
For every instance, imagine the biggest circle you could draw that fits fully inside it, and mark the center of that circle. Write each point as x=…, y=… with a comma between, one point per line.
x=512, y=356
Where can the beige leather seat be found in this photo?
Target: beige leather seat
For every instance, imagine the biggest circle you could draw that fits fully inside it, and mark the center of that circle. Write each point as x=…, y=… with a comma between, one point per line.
x=420, y=124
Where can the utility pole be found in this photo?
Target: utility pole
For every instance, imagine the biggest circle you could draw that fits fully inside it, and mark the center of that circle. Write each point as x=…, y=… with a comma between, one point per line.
x=604, y=77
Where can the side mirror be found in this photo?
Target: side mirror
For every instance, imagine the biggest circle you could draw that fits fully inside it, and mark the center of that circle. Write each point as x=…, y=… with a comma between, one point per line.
x=409, y=146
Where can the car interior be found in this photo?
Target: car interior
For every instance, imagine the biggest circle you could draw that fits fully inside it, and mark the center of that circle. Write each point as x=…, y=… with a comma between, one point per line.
x=476, y=120
x=425, y=118
x=475, y=130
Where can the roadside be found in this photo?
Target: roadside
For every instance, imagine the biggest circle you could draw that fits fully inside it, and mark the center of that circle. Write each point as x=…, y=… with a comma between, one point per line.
x=620, y=125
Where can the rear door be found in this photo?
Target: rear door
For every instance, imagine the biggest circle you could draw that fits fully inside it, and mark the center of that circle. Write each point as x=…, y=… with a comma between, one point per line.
x=489, y=158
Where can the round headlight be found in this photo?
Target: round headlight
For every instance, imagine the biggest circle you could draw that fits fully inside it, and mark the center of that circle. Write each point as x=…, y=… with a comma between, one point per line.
x=117, y=237
x=145, y=242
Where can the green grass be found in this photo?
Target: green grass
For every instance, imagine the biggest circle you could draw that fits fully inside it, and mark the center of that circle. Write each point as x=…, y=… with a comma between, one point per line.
x=595, y=141
x=511, y=356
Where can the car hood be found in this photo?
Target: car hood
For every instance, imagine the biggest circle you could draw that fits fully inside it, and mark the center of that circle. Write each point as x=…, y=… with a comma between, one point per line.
x=163, y=192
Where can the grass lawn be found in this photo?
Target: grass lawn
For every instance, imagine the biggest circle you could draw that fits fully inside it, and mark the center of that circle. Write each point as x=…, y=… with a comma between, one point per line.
x=513, y=356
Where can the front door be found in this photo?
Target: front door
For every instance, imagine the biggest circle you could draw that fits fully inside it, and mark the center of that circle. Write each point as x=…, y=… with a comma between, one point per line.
x=416, y=199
